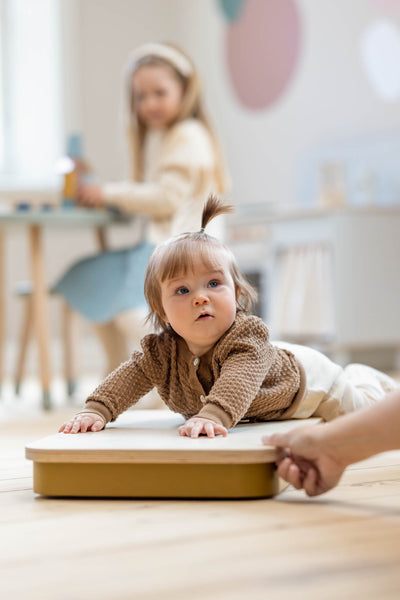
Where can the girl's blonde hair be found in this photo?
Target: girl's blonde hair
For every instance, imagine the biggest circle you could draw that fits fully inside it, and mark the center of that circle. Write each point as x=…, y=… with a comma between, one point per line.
x=192, y=105
x=177, y=256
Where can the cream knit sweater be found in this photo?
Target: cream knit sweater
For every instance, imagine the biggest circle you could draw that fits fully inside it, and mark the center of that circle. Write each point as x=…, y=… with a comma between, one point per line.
x=242, y=377
x=178, y=178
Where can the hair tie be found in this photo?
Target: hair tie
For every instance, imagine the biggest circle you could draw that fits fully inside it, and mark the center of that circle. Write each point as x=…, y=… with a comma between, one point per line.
x=202, y=229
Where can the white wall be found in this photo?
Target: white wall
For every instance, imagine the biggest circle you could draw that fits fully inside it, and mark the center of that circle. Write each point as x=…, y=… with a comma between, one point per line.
x=329, y=99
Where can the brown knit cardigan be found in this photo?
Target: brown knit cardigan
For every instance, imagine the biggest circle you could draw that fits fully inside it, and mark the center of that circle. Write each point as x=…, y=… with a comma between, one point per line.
x=243, y=376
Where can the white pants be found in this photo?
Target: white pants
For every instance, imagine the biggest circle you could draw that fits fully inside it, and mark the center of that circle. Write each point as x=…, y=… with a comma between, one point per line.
x=332, y=390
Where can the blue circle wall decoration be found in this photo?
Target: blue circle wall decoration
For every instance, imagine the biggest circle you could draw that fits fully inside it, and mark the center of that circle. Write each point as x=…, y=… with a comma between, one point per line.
x=231, y=9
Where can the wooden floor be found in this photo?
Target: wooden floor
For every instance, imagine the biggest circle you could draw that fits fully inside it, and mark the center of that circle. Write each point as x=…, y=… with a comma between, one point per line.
x=345, y=544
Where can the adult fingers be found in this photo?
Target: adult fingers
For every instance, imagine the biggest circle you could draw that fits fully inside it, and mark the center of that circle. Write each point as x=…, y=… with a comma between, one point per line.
x=310, y=483
x=295, y=477
x=283, y=467
x=290, y=472
x=275, y=439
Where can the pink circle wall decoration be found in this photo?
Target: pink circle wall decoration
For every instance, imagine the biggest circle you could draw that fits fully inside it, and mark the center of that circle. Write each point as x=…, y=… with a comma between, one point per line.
x=386, y=5
x=263, y=48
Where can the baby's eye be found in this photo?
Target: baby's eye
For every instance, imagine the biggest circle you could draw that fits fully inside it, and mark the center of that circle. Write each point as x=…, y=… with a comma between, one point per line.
x=214, y=283
x=182, y=290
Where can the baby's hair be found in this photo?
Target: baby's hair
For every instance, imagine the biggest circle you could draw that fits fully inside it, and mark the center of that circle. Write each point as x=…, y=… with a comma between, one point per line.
x=212, y=208
x=177, y=256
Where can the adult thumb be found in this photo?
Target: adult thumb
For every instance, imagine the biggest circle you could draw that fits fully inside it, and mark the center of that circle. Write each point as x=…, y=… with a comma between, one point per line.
x=275, y=439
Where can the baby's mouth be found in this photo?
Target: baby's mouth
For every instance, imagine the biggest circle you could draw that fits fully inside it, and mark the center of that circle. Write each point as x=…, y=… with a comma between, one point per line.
x=204, y=316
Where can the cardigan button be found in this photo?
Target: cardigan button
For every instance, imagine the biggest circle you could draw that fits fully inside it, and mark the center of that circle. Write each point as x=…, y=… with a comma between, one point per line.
x=202, y=399
x=196, y=362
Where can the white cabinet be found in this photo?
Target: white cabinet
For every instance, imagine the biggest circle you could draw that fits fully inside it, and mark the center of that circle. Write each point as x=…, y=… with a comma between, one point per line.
x=364, y=283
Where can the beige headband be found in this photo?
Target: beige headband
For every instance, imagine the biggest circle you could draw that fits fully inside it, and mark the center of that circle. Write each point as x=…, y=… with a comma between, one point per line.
x=171, y=55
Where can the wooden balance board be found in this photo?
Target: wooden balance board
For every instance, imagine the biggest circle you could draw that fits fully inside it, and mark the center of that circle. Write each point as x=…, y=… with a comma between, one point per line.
x=141, y=455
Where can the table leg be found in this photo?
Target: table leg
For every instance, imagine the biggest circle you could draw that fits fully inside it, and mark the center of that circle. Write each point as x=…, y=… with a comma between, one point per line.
x=101, y=238
x=39, y=298
x=1, y=308
x=23, y=345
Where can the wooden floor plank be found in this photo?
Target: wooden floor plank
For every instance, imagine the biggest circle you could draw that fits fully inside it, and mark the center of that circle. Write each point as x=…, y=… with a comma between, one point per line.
x=344, y=544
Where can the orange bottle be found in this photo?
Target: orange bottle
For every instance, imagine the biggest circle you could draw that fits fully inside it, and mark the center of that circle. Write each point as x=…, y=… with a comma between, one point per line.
x=75, y=168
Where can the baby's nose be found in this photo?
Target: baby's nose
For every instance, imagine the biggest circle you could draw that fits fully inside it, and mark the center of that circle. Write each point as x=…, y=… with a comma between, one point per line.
x=200, y=299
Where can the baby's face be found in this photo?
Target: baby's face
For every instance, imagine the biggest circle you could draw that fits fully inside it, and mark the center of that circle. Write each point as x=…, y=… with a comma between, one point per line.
x=200, y=305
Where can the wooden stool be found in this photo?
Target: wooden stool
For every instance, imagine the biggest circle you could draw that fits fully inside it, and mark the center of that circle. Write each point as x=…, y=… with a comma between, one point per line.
x=68, y=324
x=141, y=455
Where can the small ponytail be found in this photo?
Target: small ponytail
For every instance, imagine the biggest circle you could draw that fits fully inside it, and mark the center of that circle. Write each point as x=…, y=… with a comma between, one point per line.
x=212, y=208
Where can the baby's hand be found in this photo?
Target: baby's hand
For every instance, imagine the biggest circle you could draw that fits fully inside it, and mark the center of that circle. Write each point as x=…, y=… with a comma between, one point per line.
x=83, y=422
x=197, y=426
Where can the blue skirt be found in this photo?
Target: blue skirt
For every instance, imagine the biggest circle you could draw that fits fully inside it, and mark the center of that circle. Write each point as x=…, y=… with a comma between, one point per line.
x=100, y=287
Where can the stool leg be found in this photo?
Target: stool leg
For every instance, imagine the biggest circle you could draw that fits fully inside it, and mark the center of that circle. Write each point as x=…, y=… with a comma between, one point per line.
x=69, y=335
x=24, y=340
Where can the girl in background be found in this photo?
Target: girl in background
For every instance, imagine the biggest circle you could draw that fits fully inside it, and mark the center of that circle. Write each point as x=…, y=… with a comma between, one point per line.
x=177, y=162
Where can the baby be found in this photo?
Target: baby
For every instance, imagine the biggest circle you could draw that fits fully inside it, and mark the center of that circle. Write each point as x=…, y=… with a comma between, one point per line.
x=212, y=361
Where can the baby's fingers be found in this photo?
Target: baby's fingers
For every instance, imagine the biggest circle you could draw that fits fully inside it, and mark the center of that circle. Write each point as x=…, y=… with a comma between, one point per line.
x=66, y=428
x=209, y=429
x=77, y=425
x=220, y=429
x=196, y=429
x=97, y=425
x=182, y=430
x=86, y=424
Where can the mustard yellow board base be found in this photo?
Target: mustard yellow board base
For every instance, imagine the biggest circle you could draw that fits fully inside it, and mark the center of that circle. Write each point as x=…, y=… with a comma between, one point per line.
x=156, y=481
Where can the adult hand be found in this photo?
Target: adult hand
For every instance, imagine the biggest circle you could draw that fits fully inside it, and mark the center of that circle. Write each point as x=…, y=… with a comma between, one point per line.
x=306, y=460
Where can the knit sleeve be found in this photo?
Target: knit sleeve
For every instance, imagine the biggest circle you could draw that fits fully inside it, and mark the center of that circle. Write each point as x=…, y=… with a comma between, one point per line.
x=130, y=381
x=185, y=160
x=245, y=356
